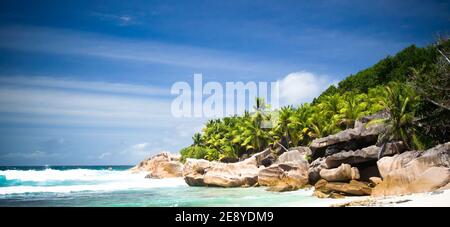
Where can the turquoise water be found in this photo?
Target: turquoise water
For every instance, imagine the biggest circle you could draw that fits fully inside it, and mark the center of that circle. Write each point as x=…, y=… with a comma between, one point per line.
x=115, y=186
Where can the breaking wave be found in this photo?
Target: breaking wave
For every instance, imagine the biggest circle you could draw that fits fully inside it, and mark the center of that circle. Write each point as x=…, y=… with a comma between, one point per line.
x=76, y=180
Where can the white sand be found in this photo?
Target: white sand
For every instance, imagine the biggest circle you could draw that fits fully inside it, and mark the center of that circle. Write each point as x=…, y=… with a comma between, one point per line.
x=430, y=199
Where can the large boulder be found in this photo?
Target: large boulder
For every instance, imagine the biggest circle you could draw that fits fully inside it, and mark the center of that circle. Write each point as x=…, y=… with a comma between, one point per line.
x=231, y=175
x=295, y=155
x=162, y=165
x=199, y=172
x=259, y=158
x=349, y=139
x=414, y=171
x=343, y=173
x=388, y=164
x=194, y=170
x=314, y=170
x=285, y=176
x=352, y=188
x=367, y=154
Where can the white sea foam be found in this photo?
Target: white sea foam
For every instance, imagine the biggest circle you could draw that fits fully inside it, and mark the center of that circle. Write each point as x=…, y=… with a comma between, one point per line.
x=69, y=175
x=82, y=180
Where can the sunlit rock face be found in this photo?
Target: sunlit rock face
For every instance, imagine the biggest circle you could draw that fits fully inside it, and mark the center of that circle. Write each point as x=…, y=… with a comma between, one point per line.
x=414, y=171
x=162, y=165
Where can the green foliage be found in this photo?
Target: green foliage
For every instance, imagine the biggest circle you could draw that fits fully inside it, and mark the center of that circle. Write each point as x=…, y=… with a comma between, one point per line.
x=391, y=68
x=383, y=86
x=401, y=102
x=231, y=137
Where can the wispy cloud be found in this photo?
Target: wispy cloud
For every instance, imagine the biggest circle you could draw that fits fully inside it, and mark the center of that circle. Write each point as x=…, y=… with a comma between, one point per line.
x=65, y=112
x=60, y=41
x=82, y=103
x=93, y=86
x=119, y=19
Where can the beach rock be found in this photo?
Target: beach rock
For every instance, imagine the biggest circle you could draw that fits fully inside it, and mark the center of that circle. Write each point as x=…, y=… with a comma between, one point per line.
x=162, y=165
x=284, y=176
x=270, y=175
x=194, y=170
x=352, y=188
x=231, y=174
x=349, y=139
x=343, y=173
x=389, y=164
x=414, y=171
x=258, y=158
x=198, y=172
x=282, y=187
x=366, y=119
x=228, y=159
x=320, y=194
x=367, y=154
x=432, y=179
x=269, y=160
x=446, y=187
x=374, y=181
x=194, y=180
x=314, y=170
x=331, y=195
x=297, y=155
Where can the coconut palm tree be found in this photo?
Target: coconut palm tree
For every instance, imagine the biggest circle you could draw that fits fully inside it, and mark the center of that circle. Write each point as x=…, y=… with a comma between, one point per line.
x=353, y=107
x=197, y=139
x=400, y=102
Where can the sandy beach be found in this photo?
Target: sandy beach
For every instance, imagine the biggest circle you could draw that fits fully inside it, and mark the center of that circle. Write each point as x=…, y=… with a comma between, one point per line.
x=429, y=199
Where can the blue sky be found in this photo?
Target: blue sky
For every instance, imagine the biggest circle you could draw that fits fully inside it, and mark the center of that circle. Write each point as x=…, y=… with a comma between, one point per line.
x=88, y=82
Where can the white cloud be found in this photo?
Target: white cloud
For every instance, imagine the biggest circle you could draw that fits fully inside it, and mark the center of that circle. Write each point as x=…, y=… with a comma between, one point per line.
x=300, y=87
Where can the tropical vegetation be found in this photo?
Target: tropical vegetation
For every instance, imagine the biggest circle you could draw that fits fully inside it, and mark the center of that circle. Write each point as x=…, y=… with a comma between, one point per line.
x=413, y=86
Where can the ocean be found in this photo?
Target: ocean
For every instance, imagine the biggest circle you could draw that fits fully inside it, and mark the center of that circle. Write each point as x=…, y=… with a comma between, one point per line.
x=114, y=186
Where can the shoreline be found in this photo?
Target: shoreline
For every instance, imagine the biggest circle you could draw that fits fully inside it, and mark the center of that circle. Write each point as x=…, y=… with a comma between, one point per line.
x=426, y=199
x=234, y=195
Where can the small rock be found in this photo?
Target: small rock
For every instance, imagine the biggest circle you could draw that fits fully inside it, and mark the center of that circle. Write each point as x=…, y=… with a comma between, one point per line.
x=352, y=188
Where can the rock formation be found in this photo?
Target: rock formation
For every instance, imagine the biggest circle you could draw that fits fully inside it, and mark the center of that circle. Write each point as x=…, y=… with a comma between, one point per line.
x=349, y=139
x=205, y=173
x=338, y=165
x=290, y=172
x=162, y=165
x=285, y=176
x=363, y=155
x=414, y=171
x=314, y=170
x=352, y=188
x=343, y=173
x=194, y=170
